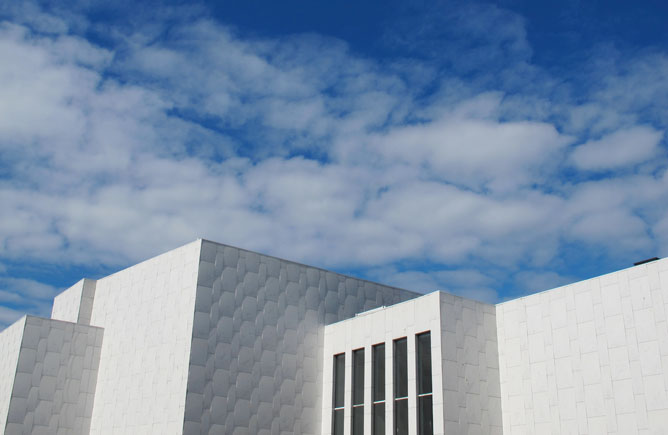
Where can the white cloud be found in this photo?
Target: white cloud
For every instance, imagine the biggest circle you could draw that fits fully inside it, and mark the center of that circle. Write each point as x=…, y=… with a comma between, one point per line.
x=531, y=281
x=476, y=153
x=620, y=149
x=467, y=283
x=24, y=295
x=661, y=232
x=633, y=83
x=300, y=148
x=9, y=316
x=612, y=227
x=29, y=287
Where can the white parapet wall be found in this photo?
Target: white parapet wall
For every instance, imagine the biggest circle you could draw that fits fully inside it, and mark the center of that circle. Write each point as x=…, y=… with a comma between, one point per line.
x=471, y=393
x=384, y=325
x=76, y=303
x=147, y=315
x=588, y=358
x=465, y=366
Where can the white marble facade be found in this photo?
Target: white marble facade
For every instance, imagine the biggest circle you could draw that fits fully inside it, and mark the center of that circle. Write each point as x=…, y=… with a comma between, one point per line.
x=465, y=370
x=212, y=339
x=588, y=358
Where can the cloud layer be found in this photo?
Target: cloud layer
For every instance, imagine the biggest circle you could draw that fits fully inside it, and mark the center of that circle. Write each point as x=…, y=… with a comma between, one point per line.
x=402, y=171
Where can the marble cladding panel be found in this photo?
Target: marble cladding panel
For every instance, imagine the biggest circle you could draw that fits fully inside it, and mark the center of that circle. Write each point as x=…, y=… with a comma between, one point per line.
x=590, y=357
x=87, y=299
x=365, y=330
x=55, y=379
x=470, y=365
x=76, y=303
x=257, y=338
x=147, y=315
x=66, y=305
x=10, y=346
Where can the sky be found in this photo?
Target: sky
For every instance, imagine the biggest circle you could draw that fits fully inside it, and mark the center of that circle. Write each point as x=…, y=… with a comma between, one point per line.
x=487, y=149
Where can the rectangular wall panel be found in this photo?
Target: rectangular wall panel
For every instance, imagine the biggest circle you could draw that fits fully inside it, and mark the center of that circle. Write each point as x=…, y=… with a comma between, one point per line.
x=76, y=303
x=470, y=364
x=147, y=315
x=368, y=330
x=591, y=357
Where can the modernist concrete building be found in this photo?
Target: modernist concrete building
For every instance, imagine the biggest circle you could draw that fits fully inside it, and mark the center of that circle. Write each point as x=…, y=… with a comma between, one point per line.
x=211, y=339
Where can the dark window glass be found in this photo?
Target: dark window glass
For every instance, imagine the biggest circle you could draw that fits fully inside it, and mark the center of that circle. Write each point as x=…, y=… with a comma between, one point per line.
x=338, y=422
x=424, y=388
x=400, y=387
x=425, y=415
x=358, y=420
x=378, y=388
x=379, y=418
x=358, y=392
x=400, y=368
x=401, y=417
x=338, y=393
x=358, y=377
x=424, y=363
x=378, y=372
x=339, y=379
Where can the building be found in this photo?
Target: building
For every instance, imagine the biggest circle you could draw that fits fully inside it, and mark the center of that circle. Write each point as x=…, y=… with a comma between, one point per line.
x=213, y=339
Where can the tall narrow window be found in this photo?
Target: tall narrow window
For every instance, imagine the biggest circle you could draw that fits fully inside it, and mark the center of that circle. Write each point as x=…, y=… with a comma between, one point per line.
x=378, y=389
x=338, y=393
x=358, y=392
x=424, y=389
x=400, y=387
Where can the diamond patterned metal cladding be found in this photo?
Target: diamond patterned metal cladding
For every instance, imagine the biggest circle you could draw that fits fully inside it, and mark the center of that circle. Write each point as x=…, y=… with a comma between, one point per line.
x=10, y=346
x=55, y=377
x=256, y=355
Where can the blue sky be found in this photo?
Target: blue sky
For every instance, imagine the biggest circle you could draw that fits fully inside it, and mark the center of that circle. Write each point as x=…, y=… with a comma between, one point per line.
x=489, y=149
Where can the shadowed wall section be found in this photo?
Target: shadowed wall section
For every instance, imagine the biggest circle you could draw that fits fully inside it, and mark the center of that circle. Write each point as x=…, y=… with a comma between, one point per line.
x=256, y=357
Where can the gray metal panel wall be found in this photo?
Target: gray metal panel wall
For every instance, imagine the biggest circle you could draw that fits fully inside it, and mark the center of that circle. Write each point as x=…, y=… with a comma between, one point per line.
x=256, y=356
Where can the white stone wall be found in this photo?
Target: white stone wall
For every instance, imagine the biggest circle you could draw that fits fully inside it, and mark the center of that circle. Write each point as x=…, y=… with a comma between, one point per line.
x=87, y=299
x=147, y=313
x=588, y=358
x=384, y=326
x=256, y=362
x=54, y=384
x=471, y=387
x=10, y=345
x=76, y=303
x=66, y=305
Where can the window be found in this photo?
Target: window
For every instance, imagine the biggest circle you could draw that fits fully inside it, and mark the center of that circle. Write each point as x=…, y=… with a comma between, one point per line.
x=400, y=387
x=424, y=388
x=358, y=392
x=378, y=399
x=338, y=393
x=378, y=389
